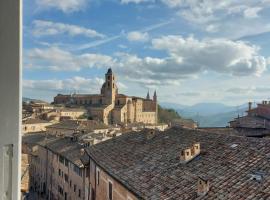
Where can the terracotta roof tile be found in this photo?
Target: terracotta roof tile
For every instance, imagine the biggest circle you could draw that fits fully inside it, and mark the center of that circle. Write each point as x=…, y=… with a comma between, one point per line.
x=152, y=169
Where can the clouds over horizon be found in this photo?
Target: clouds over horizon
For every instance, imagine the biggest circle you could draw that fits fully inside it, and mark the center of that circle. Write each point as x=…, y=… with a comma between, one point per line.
x=186, y=58
x=76, y=83
x=169, y=45
x=66, y=6
x=49, y=28
x=138, y=36
x=56, y=59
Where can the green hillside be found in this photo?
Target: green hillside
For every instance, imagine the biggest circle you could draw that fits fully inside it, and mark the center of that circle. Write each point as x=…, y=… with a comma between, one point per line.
x=166, y=115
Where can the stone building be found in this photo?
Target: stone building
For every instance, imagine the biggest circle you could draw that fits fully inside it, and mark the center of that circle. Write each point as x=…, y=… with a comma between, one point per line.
x=55, y=169
x=256, y=122
x=59, y=114
x=69, y=127
x=179, y=164
x=112, y=107
x=31, y=125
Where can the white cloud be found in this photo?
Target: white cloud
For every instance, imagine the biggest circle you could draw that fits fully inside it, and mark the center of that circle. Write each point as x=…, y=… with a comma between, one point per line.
x=188, y=58
x=137, y=36
x=135, y=1
x=212, y=28
x=66, y=6
x=173, y=3
x=219, y=55
x=75, y=83
x=45, y=28
x=248, y=90
x=252, y=12
x=57, y=59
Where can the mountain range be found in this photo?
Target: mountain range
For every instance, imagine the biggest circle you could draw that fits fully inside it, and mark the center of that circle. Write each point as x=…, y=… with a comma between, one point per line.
x=208, y=114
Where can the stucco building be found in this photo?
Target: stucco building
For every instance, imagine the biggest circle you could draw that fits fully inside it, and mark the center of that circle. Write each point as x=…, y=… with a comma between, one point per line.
x=112, y=107
x=55, y=169
x=34, y=125
x=256, y=122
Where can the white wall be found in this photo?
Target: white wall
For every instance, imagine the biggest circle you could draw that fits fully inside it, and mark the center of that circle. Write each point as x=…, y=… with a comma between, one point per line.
x=10, y=118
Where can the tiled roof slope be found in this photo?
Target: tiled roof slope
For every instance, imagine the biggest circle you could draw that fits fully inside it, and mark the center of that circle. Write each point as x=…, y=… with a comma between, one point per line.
x=34, y=121
x=80, y=125
x=62, y=146
x=151, y=168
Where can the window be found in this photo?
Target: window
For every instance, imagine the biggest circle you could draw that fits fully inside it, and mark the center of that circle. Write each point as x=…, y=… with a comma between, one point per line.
x=59, y=172
x=61, y=159
x=77, y=170
x=66, y=178
x=66, y=162
x=70, y=183
x=97, y=176
x=110, y=192
x=187, y=153
x=74, y=188
x=79, y=193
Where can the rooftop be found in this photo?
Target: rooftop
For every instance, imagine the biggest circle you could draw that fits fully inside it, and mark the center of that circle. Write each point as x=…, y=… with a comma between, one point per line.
x=151, y=168
x=34, y=121
x=62, y=146
x=89, y=125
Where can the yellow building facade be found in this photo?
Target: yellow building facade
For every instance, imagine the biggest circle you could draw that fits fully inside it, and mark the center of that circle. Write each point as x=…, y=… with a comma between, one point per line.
x=110, y=107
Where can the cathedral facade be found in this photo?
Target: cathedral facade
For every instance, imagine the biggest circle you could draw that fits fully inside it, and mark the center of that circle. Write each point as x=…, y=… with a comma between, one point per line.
x=111, y=107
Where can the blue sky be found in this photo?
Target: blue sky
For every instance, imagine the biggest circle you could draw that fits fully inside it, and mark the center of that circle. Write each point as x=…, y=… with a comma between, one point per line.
x=190, y=51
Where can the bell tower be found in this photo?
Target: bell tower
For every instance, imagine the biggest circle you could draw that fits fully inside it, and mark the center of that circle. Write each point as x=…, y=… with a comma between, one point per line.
x=109, y=87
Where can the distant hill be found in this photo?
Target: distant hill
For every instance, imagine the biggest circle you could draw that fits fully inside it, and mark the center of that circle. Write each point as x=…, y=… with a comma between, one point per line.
x=209, y=114
x=215, y=120
x=166, y=115
x=172, y=105
x=25, y=99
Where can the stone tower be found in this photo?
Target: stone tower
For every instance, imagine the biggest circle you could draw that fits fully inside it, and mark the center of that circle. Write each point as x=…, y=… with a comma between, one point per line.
x=148, y=96
x=155, y=96
x=109, y=88
x=156, y=105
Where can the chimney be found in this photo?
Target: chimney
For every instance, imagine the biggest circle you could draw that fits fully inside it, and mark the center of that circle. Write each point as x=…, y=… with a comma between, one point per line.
x=189, y=153
x=196, y=148
x=249, y=106
x=82, y=151
x=202, y=186
x=150, y=134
